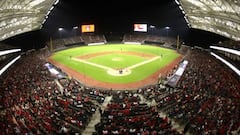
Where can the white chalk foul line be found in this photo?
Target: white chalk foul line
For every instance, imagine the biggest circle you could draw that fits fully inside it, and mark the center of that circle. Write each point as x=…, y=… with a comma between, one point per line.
x=93, y=64
x=142, y=63
x=114, y=70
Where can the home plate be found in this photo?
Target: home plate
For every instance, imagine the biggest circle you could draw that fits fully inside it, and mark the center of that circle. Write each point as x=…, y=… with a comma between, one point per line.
x=119, y=72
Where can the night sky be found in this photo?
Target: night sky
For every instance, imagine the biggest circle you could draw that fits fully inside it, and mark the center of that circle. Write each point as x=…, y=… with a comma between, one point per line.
x=114, y=17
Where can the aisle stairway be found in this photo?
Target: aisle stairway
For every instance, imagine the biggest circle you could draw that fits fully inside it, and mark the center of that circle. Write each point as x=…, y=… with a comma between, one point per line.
x=90, y=129
x=96, y=118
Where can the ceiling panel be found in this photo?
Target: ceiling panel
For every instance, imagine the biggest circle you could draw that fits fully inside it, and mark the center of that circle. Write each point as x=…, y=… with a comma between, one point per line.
x=218, y=16
x=20, y=16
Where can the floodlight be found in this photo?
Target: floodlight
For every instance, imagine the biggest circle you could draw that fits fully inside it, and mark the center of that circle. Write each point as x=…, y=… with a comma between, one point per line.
x=167, y=28
x=60, y=29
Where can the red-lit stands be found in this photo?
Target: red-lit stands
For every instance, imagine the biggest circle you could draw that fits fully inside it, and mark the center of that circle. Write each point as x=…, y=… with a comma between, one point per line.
x=125, y=114
x=206, y=101
x=207, y=97
x=32, y=103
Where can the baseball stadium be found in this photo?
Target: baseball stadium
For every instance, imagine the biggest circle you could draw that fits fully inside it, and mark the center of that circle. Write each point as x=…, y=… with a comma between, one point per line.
x=166, y=68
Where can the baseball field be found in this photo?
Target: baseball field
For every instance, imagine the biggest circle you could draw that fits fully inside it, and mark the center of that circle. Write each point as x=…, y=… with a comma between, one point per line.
x=116, y=65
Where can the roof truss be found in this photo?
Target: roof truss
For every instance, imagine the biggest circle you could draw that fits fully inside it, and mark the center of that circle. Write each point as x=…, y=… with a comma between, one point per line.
x=218, y=16
x=20, y=16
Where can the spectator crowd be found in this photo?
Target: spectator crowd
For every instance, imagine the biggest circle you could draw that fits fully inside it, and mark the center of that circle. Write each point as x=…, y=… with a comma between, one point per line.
x=205, y=101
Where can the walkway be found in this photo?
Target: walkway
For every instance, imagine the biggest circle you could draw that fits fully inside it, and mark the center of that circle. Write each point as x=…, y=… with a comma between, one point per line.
x=96, y=118
x=175, y=125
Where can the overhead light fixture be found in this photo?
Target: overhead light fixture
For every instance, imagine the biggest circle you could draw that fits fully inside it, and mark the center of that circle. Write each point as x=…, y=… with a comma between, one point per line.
x=236, y=52
x=36, y=2
x=56, y=2
x=177, y=2
x=167, y=28
x=9, y=64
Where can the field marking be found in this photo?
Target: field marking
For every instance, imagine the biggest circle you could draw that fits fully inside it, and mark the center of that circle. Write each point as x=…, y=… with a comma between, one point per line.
x=126, y=71
x=93, y=64
x=142, y=63
x=109, y=70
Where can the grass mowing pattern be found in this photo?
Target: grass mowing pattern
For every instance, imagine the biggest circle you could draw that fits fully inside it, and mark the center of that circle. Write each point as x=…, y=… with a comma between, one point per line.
x=99, y=74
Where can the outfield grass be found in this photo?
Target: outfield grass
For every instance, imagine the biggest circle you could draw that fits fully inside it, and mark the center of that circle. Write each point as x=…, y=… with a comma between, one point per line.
x=116, y=61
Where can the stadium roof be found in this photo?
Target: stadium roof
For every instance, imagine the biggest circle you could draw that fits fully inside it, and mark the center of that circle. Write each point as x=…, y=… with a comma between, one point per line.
x=218, y=16
x=20, y=16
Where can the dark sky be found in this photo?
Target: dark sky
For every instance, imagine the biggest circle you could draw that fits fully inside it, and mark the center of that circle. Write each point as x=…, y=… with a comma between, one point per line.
x=113, y=17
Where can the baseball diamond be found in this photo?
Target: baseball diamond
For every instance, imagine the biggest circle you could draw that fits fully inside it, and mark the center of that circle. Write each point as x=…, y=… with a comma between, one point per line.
x=116, y=66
